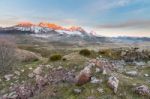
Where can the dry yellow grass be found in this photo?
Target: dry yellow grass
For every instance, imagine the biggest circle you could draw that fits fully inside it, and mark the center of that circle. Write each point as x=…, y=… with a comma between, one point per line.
x=27, y=56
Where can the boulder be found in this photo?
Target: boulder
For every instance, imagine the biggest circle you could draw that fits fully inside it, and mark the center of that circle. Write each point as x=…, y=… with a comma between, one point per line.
x=142, y=90
x=113, y=83
x=84, y=76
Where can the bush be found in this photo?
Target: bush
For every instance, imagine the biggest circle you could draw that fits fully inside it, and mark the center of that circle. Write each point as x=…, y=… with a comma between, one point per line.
x=55, y=57
x=85, y=52
x=7, y=55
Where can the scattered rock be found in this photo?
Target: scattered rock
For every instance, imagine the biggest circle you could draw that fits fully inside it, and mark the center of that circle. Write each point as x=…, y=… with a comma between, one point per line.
x=139, y=63
x=22, y=70
x=146, y=75
x=113, y=83
x=142, y=90
x=104, y=72
x=8, y=77
x=132, y=73
x=134, y=84
x=31, y=75
x=77, y=91
x=97, y=70
x=148, y=63
x=94, y=80
x=17, y=73
x=48, y=66
x=60, y=67
x=30, y=68
x=38, y=70
x=100, y=90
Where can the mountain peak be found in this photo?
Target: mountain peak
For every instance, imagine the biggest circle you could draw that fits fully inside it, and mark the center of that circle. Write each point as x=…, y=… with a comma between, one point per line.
x=76, y=28
x=50, y=25
x=26, y=24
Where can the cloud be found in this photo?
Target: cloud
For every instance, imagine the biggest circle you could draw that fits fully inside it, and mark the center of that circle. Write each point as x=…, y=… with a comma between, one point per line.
x=127, y=24
x=104, y=5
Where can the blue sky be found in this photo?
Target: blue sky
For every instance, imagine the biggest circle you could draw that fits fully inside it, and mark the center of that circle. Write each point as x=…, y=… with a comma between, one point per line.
x=106, y=17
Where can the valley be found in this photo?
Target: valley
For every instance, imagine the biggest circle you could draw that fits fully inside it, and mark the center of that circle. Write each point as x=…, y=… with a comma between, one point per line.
x=53, y=70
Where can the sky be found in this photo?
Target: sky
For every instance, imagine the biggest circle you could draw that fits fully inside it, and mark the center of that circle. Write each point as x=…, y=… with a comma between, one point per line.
x=105, y=17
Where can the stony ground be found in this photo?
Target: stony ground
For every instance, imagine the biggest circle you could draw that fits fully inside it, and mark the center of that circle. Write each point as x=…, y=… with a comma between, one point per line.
x=98, y=76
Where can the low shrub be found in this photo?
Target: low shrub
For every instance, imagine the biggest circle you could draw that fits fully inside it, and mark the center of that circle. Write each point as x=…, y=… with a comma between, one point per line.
x=55, y=57
x=85, y=52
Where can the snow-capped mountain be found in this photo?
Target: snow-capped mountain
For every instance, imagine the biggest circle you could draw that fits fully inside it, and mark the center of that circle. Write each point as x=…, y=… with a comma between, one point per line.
x=42, y=28
x=51, y=32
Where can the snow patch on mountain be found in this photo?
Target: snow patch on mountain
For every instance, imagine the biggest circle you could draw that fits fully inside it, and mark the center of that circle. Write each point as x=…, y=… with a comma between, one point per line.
x=69, y=32
x=35, y=29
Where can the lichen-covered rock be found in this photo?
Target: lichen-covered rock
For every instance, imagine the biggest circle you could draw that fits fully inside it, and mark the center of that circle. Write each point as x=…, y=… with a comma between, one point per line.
x=142, y=90
x=84, y=76
x=113, y=83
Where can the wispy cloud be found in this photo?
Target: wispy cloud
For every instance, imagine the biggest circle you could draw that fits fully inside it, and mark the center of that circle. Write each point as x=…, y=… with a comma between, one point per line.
x=104, y=5
x=127, y=24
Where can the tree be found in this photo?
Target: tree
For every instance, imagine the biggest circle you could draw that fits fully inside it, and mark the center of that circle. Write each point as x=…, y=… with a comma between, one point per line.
x=7, y=55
